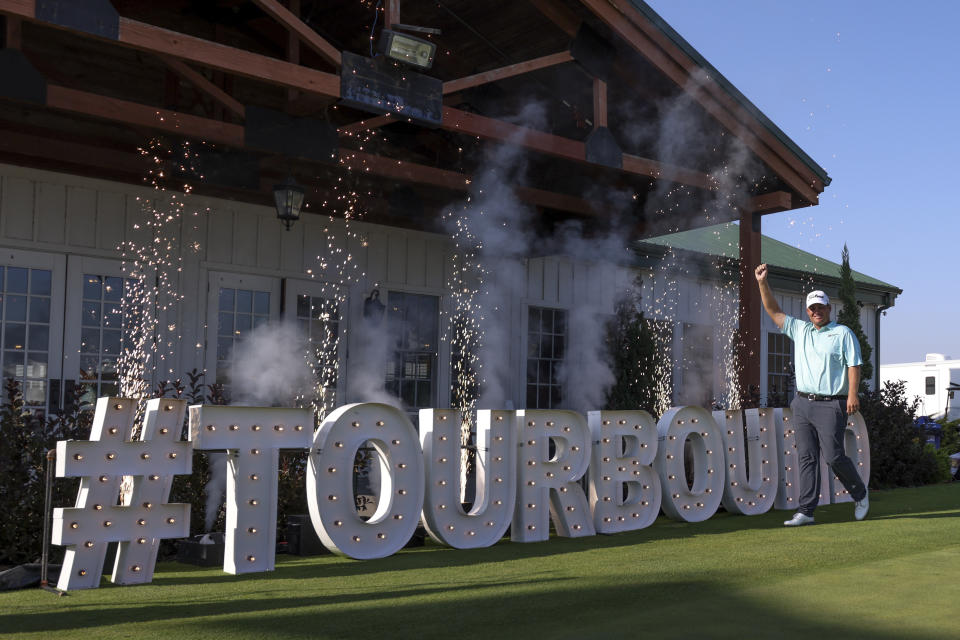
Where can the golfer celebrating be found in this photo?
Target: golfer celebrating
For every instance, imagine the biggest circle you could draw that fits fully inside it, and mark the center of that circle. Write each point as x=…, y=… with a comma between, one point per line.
x=827, y=367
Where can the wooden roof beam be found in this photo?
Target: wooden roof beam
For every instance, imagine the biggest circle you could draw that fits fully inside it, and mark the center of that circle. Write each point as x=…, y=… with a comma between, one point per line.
x=139, y=115
x=559, y=15
x=199, y=128
x=772, y=202
x=203, y=85
x=56, y=150
x=506, y=72
x=490, y=128
x=662, y=171
x=302, y=30
x=368, y=123
x=456, y=181
x=156, y=40
x=146, y=37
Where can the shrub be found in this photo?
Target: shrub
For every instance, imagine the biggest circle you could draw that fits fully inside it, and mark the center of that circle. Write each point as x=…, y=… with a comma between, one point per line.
x=25, y=439
x=898, y=457
x=637, y=358
x=949, y=444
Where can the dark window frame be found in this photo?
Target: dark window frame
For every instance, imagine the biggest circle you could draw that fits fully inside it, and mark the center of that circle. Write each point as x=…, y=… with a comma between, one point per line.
x=546, y=349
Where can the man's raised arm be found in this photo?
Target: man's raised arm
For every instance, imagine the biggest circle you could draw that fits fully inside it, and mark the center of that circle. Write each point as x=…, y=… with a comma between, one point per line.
x=769, y=302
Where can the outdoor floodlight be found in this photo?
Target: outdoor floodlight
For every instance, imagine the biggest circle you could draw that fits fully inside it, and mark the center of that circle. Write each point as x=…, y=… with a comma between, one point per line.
x=403, y=48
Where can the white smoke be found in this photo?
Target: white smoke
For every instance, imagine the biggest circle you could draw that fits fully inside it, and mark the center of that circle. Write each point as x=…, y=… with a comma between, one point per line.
x=269, y=366
x=371, y=345
x=585, y=373
x=499, y=222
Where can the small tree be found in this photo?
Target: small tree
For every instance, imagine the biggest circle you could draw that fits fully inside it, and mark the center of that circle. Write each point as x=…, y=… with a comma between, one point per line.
x=849, y=316
x=636, y=357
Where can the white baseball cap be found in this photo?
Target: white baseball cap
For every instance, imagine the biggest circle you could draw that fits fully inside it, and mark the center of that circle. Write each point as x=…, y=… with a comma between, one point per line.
x=817, y=297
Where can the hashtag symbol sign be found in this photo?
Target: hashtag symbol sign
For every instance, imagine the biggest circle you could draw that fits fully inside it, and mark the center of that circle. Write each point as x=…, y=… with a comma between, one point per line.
x=143, y=516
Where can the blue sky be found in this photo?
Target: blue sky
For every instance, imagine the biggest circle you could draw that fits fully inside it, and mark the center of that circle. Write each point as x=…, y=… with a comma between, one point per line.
x=869, y=90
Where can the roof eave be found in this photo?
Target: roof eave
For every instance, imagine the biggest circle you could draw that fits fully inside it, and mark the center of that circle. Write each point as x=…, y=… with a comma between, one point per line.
x=727, y=86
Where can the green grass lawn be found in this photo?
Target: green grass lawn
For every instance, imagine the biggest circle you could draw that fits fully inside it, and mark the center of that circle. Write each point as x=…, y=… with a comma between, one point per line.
x=894, y=575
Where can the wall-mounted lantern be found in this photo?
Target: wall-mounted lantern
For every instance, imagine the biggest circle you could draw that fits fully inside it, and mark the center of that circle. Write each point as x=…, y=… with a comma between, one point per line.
x=288, y=197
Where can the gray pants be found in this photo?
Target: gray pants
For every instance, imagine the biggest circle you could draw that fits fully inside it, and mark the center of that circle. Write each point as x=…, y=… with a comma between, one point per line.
x=821, y=424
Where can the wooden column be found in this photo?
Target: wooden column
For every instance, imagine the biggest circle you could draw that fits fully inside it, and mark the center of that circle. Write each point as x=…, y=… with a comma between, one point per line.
x=391, y=13
x=750, y=309
x=599, y=103
x=11, y=32
x=293, y=48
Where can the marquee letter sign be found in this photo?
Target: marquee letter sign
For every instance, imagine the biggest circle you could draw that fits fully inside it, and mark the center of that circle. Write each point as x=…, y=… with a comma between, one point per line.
x=443, y=515
x=330, y=481
x=624, y=486
x=252, y=438
x=680, y=500
x=753, y=492
x=542, y=476
x=101, y=463
x=529, y=465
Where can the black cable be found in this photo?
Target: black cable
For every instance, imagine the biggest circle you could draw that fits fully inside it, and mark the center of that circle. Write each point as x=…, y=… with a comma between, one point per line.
x=376, y=16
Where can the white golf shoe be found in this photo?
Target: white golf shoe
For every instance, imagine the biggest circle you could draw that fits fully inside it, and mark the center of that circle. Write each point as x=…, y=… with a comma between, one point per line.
x=862, y=506
x=798, y=520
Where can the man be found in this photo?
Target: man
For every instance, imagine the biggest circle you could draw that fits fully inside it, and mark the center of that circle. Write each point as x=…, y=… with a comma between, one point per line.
x=827, y=367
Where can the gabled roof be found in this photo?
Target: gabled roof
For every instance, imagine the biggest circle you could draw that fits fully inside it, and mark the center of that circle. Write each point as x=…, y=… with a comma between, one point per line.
x=272, y=92
x=729, y=87
x=723, y=241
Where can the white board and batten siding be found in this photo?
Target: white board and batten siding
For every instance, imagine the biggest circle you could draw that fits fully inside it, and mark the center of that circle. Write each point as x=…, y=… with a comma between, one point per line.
x=75, y=225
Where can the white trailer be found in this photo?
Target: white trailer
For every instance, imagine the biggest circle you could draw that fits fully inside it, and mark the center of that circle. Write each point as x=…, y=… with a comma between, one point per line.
x=934, y=380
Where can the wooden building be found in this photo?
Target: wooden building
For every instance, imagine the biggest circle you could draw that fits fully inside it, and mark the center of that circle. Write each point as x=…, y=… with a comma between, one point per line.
x=251, y=92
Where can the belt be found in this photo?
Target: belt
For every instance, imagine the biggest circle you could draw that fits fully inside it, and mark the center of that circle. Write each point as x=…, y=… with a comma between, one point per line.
x=813, y=396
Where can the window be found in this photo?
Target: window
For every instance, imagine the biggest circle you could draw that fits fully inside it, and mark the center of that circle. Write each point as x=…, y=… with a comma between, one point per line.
x=26, y=297
x=780, y=374
x=101, y=334
x=931, y=384
x=318, y=319
x=238, y=312
x=413, y=322
x=546, y=345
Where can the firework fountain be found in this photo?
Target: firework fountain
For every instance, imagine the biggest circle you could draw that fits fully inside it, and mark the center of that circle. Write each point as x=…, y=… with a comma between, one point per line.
x=152, y=264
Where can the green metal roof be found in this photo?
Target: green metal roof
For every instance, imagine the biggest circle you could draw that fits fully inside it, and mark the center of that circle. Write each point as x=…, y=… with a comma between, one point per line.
x=723, y=240
x=727, y=86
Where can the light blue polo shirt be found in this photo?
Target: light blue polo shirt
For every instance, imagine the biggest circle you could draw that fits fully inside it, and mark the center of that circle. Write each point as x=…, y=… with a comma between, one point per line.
x=822, y=357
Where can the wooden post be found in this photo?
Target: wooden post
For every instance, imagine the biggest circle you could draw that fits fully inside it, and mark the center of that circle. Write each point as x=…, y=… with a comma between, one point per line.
x=599, y=103
x=751, y=307
x=293, y=48
x=11, y=32
x=391, y=14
